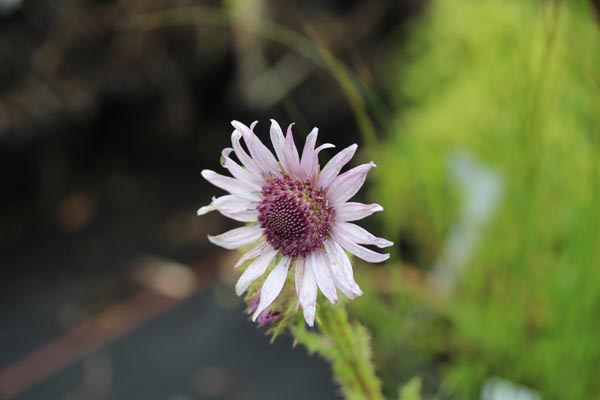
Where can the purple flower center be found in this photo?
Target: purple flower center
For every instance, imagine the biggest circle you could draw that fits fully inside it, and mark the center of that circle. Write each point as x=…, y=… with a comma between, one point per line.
x=295, y=216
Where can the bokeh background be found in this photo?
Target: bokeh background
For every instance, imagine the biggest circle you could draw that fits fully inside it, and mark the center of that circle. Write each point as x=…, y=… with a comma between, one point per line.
x=483, y=118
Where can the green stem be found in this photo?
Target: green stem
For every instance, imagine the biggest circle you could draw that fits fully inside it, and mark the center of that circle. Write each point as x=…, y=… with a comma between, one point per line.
x=347, y=347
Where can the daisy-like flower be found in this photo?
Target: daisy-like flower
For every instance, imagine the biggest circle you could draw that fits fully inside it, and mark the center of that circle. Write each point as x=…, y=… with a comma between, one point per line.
x=299, y=215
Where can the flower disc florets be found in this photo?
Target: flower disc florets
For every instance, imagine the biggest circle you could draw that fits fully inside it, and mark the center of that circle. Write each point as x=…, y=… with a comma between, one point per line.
x=295, y=216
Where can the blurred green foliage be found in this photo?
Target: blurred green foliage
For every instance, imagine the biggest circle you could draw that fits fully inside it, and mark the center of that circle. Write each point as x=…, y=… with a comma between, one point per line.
x=411, y=391
x=516, y=84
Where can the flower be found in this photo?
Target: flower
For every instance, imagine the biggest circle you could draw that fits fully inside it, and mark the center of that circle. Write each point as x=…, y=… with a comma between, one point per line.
x=300, y=216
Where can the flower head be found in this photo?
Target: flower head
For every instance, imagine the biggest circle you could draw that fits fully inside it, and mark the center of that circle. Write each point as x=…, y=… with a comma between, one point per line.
x=299, y=213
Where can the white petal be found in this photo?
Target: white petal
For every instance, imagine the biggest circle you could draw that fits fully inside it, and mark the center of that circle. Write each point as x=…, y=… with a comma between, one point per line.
x=241, y=154
x=241, y=216
x=355, y=211
x=320, y=268
x=232, y=203
x=307, y=165
x=341, y=270
x=308, y=294
x=259, y=152
x=298, y=277
x=347, y=184
x=359, y=251
x=240, y=173
x=291, y=161
x=272, y=286
x=323, y=147
x=359, y=235
x=335, y=165
x=232, y=207
x=252, y=254
x=315, y=168
x=278, y=141
x=206, y=209
x=254, y=270
x=237, y=237
x=231, y=185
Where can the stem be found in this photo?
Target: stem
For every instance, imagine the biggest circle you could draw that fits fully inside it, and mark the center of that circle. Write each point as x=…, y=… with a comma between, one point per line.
x=347, y=347
x=348, y=85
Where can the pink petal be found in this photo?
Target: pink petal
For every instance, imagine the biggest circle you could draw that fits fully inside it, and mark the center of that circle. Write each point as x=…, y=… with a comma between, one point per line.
x=341, y=270
x=241, y=154
x=359, y=235
x=308, y=294
x=291, y=161
x=231, y=185
x=307, y=164
x=355, y=211
x=252, y=254
x=237, y=237
x=236, y=208
x=347, y=184
x=323, y=147
x=232, y=207
x=254, y=270
x=320, y=268
x=259, y=152
x=272, y=286
x=240, y=173
x=278, y=141
x=315, y=168
x=335, y=165
x=359, y=251
x=298, y=277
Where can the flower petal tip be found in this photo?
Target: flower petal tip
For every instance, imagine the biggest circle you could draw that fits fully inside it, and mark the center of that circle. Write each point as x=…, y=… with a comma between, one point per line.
x=309, y=315
x=205, y=210
x=235, y=135
x=356, y=292
x=275, y=123
x=207, y=173
x=325, y=146
x=382, y=243
x=289, y=128
x=239, y=290
x=243, y=129
x=226, y=152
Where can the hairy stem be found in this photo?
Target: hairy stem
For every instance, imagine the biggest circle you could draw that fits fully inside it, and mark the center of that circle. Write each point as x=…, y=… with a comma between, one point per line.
x=347, y=347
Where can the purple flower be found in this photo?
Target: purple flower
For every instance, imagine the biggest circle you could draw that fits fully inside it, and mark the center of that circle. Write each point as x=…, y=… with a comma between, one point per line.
x=299, y=214
x=267, y=317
